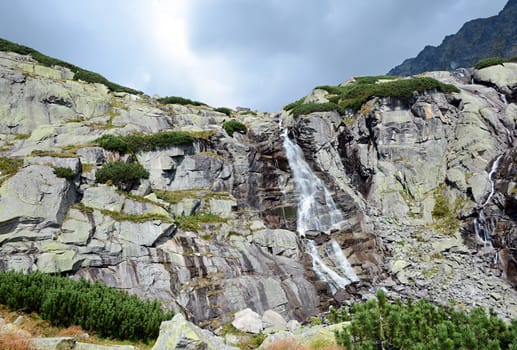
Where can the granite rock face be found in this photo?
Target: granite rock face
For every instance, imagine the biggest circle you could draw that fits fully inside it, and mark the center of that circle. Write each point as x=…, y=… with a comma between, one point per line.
x=213, y=229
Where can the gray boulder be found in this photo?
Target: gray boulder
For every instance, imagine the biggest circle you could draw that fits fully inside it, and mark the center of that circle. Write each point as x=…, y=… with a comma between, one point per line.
x=71, y=163
x=272, y=318
x=179, y=333
x=248, y=320
x=87, y=346
x=34, y=196
x=61, y=343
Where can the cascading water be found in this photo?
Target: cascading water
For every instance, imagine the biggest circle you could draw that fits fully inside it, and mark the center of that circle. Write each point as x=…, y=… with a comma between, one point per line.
x=318, y=212
x=503, y=99
x=483, y=226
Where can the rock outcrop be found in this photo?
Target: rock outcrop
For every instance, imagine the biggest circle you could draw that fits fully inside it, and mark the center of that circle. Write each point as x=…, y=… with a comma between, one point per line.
x=213, y=229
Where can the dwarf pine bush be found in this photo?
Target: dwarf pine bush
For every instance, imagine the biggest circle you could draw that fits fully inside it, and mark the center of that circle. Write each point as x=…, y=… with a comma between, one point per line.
x=354, y=94
x=144, y=142
x=180, y=101
x=123, y=175
x=377, y=324
x=64, y=172
x=109, y=312
x=232, y=126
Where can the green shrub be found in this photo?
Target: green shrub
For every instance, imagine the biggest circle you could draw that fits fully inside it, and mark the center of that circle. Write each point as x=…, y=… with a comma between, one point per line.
x=314, y=107
x=113, y=143
x=123, y=175
x=232, y=126
x=354, y=94
x=294, y=104
x=378, y=324
x=64, y=172
x=180, y=101
x=224, y=110
x=142, y=142
x=490, y=61
x=92, y=77
x=79, y=73
x=95, y=307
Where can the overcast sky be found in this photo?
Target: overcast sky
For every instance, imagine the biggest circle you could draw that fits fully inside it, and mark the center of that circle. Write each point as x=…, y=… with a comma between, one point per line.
x=255, y=53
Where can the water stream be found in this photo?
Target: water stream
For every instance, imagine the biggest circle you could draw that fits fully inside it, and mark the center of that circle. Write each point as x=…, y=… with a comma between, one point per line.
x=483, y=226
x=318, y=212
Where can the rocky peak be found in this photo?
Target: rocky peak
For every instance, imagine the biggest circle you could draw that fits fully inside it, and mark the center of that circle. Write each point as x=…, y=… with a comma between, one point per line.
x=476, y=40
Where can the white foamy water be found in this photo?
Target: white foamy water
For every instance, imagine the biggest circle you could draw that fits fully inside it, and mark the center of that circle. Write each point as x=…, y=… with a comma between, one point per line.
x=318, y=212
x=484, y=227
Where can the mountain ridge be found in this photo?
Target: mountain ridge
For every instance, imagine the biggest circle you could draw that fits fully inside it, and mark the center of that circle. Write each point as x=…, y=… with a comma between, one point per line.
x=477, y=39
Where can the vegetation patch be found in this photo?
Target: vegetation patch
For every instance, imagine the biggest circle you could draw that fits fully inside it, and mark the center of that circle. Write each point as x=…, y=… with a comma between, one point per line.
x=378, y=324
x=144, y=142
x=194, y=222
x=9, y=167
x=444, y=213
x=123, y=175
x=224, y=110
x=93, y=306
x=174, y=197
x=179, y=101
x=493, y=61
x=21, y=136
x=247, y=341
x=353, y=95
x=294, y=104
x=316, y=107
x=57, y=154
x=64, y=172
x=120, y=216
x=79, y=73
x=232, y=126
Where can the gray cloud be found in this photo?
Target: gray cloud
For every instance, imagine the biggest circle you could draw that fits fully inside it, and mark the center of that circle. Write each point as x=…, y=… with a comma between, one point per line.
x=271, y=51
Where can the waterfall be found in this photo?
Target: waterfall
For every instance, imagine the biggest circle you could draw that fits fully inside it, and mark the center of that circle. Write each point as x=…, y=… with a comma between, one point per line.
x=484, y=227
x=503, y=99
x=492, y=182
x=316, y=208
x=318, y=212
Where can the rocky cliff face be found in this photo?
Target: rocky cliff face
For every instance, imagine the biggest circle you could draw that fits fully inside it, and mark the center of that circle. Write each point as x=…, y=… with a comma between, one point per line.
x=410, y=177
x=477, y=39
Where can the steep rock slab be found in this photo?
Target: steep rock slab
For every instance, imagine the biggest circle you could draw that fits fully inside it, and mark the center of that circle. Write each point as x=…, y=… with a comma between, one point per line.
x=34, y=198
x=215, y=279
x=48, y=97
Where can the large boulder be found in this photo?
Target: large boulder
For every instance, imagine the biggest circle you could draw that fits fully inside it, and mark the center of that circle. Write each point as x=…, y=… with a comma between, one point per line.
x=59, y=343
x=179, y=333
x=34, y=197
x=248, y=321
x=306, y=336
x=504, y=76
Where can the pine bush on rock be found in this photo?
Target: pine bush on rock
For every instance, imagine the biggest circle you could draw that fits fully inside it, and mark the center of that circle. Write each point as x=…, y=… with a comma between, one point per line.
x=232, y=126
x=378, y=324
x=144, y=142
x=64, y=172
x=354, y=94
x=95, y=307
x=123, y=175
